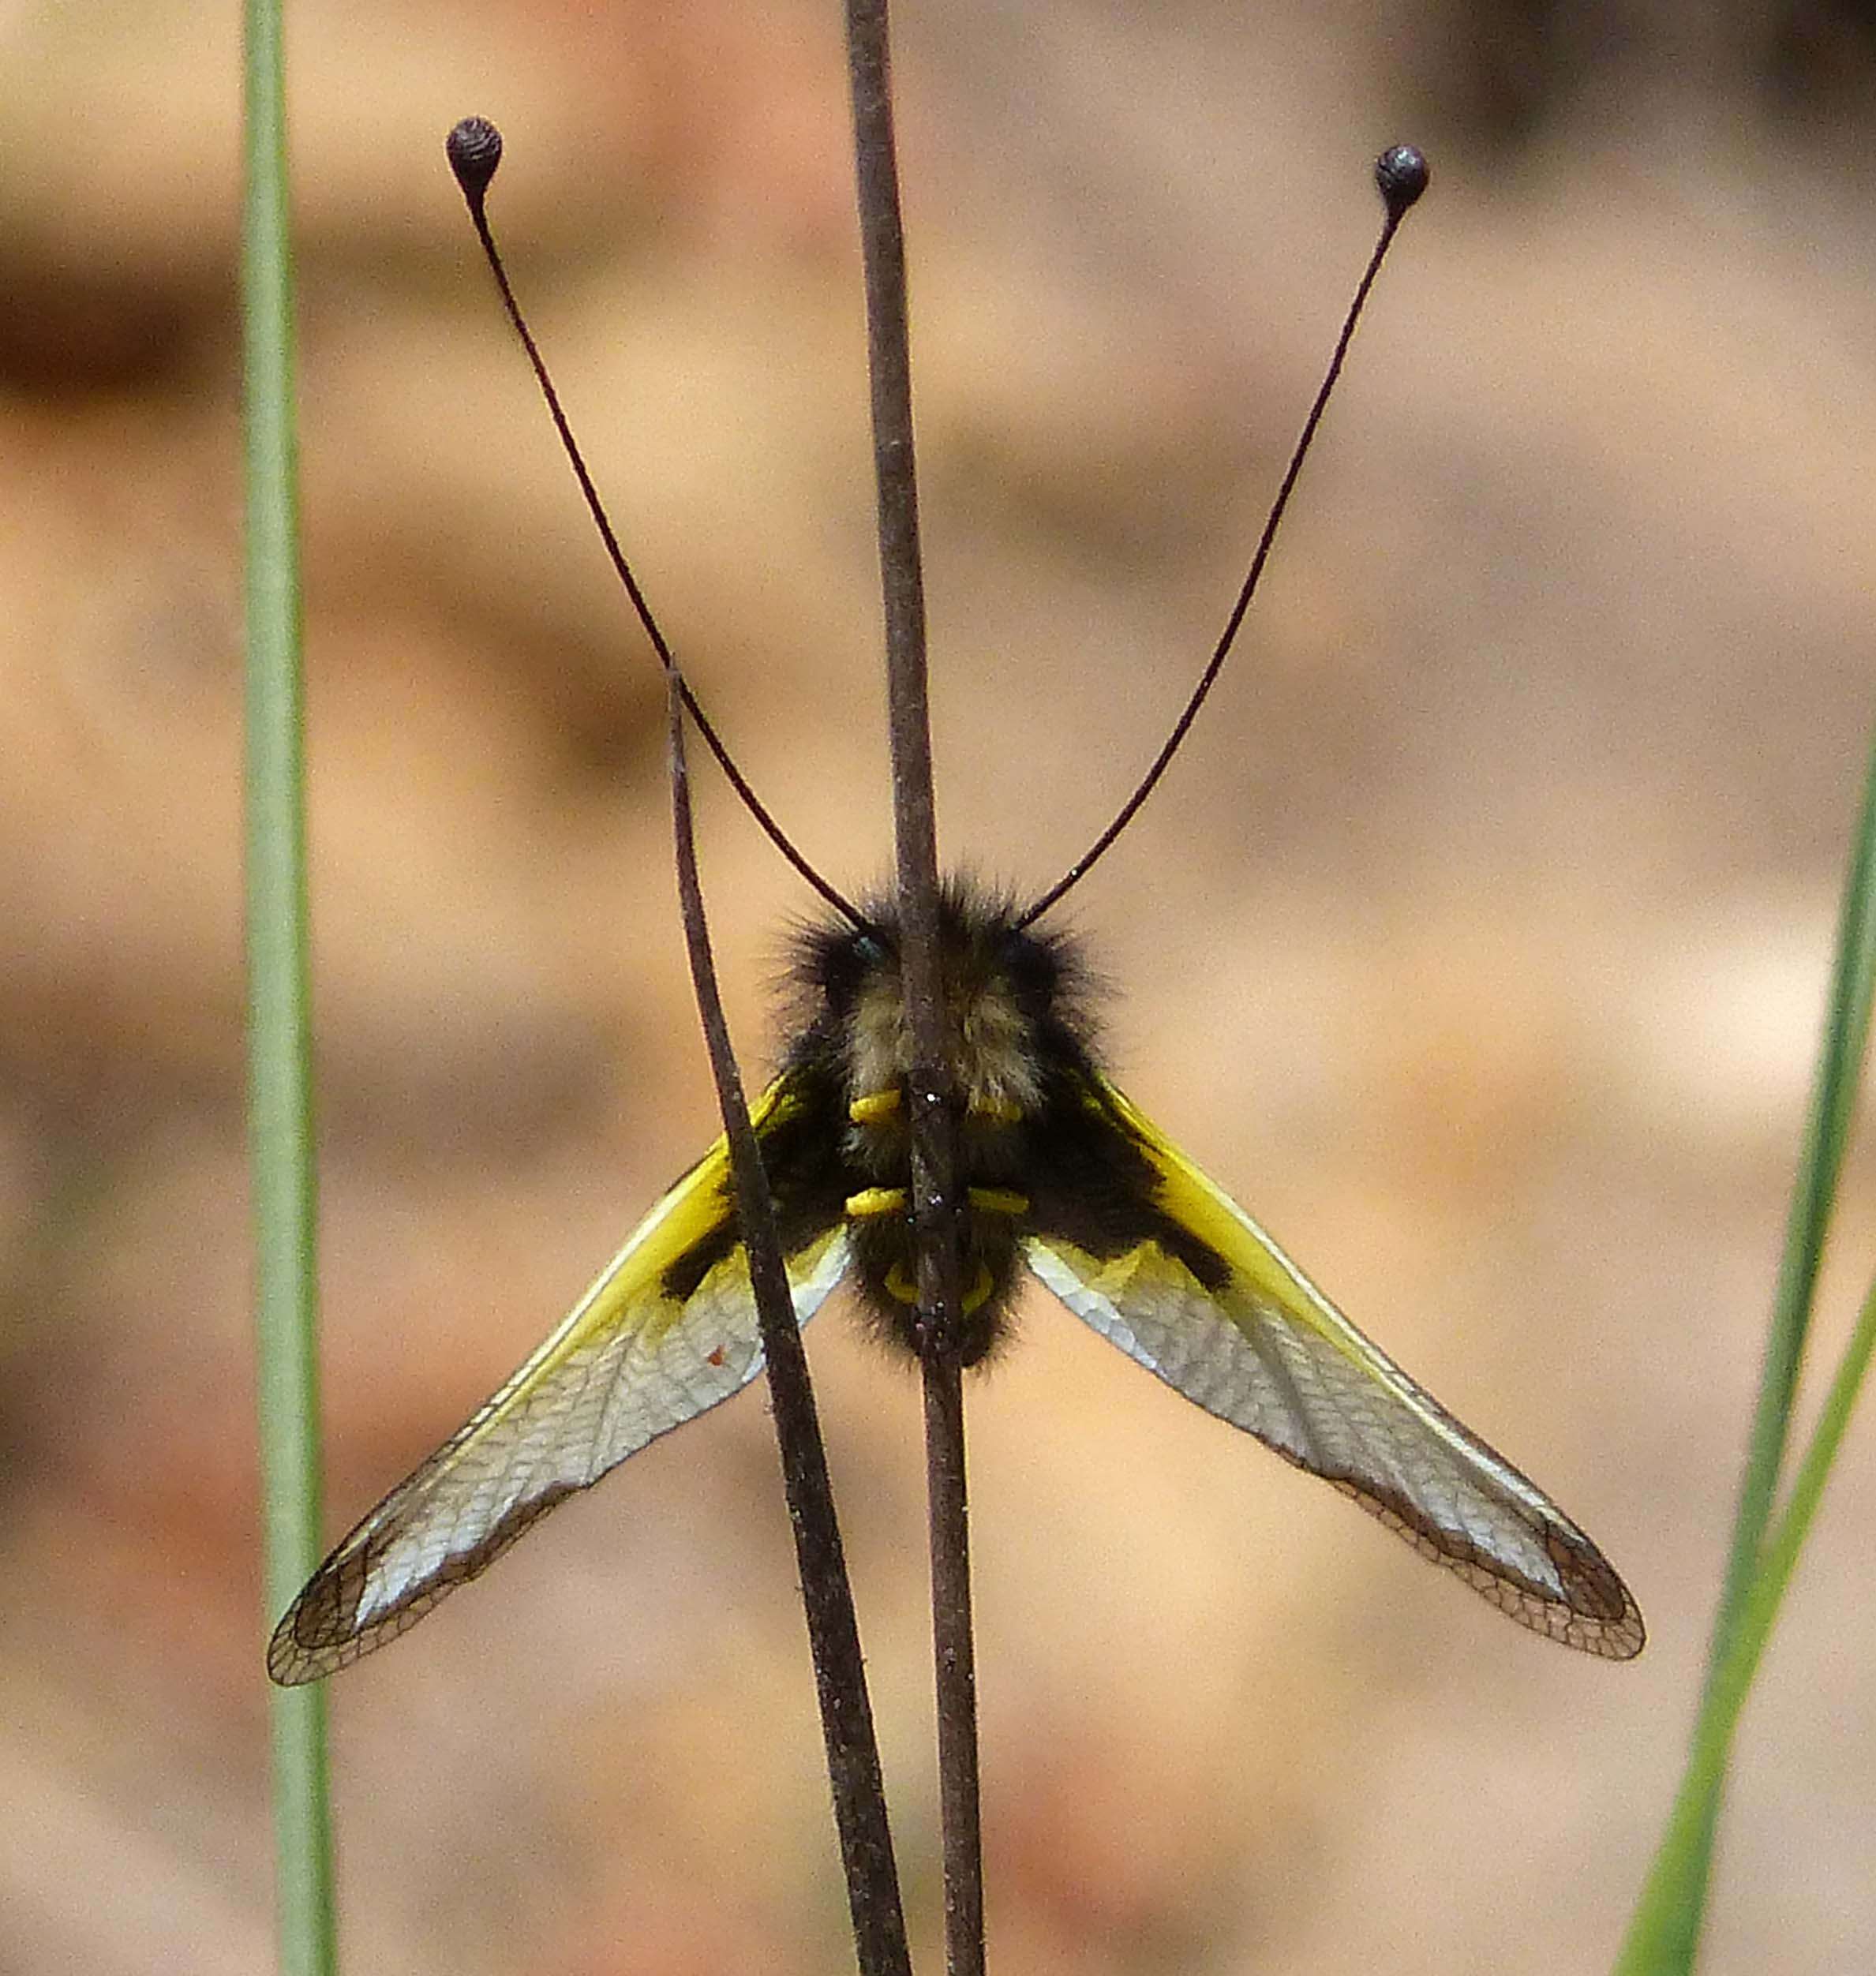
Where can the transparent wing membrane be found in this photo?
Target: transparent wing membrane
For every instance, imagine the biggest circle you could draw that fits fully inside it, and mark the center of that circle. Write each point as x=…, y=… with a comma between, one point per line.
x=1261, y=1347
x=667, y=1331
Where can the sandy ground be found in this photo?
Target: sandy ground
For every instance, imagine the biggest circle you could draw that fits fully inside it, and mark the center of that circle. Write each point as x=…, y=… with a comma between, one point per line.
x=1476, y=942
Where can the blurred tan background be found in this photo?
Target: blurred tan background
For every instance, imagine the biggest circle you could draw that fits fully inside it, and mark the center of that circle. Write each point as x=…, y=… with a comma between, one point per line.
x=1476, y=941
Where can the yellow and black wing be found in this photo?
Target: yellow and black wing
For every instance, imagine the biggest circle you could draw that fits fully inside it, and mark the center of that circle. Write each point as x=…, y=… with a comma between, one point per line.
x=669, y=1330
x=1171, y=1269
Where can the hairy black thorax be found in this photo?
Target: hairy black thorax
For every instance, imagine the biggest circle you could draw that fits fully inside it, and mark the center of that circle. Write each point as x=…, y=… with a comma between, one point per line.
x=1036, y=1137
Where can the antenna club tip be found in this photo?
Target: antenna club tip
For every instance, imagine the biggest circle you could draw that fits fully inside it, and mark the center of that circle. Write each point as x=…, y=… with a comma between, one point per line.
x=475, y=149
x=1401, y=173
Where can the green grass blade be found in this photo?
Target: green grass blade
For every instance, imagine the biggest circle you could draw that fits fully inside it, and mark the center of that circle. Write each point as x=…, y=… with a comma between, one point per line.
x=1664, y=1937
x=1666, y=1931
x=1820, y=1163
x=280, y=1106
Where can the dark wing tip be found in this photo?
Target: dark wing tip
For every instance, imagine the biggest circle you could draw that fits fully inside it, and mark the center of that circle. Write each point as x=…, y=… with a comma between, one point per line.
x=321, y=1632
x=1596, y=1614
x=316, y=1628
x=1604, y=1617
x=291, y=1660
x=298, y=1652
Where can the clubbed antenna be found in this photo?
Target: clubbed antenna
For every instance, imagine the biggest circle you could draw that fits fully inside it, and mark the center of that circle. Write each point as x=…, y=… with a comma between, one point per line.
x=475, y=150
x=1401, y=174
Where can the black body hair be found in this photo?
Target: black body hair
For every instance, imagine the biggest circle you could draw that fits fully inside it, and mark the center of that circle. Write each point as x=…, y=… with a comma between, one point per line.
x=1039, y=1143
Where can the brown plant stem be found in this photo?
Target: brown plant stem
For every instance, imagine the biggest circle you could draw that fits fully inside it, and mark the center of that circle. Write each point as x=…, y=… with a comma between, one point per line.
x=853, y=1769
x=931, y=1099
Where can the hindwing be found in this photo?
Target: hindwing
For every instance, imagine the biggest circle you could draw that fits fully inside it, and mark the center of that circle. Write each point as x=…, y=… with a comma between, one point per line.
x=667, y=1331
x=1182, y=1280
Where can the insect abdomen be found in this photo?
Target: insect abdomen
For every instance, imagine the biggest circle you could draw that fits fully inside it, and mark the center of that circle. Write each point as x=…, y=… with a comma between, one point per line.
x=992, y=1209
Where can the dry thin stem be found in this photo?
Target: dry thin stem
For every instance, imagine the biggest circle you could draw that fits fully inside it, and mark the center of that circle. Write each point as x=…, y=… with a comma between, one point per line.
x=853, y=1768
x=932, y=1099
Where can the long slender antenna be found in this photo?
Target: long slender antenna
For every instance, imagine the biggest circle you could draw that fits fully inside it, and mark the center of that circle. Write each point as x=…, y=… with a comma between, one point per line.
x=475, y=150
x=1401, y=174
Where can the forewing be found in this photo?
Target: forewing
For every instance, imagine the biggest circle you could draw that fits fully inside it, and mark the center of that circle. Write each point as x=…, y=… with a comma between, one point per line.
x=669, y=1330
x=1216, y=1309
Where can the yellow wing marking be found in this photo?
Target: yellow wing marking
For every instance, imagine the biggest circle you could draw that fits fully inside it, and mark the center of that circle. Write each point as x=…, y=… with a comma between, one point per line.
x=1266, y=1351
x=630, y=1362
